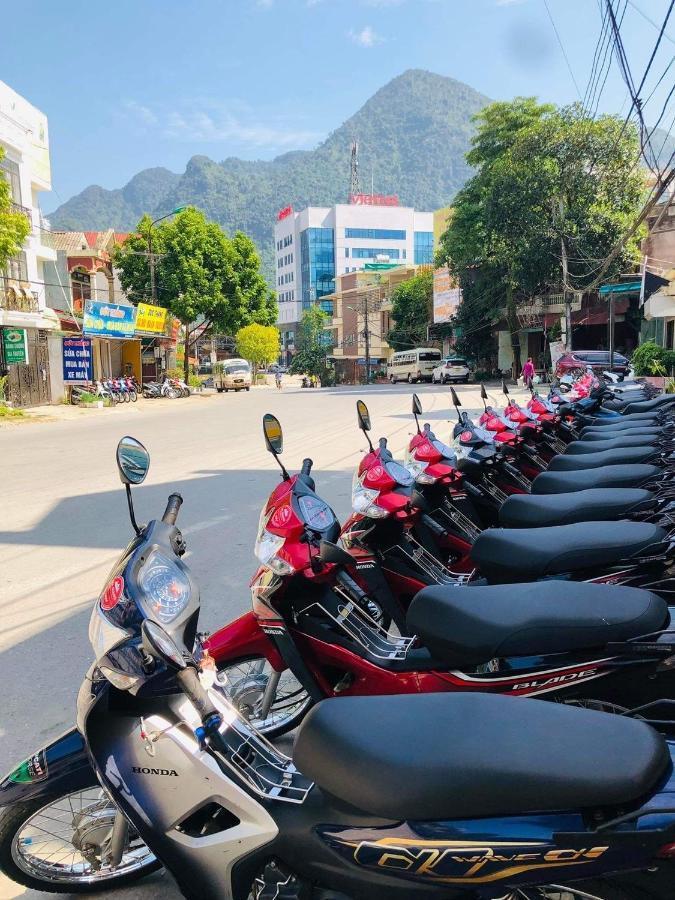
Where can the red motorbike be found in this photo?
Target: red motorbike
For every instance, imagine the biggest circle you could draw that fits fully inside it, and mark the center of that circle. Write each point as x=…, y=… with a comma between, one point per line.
x=317, y=631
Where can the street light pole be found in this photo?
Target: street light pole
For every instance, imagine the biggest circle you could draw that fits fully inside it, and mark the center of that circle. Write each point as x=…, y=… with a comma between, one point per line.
x=151, y=256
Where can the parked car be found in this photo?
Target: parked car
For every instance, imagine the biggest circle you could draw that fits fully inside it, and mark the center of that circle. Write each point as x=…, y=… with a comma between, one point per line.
x=236, y=376
x=453, y=368
x=598, y=360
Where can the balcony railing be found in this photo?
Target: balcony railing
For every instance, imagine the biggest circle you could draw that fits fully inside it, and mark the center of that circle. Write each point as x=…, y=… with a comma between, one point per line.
x=16, y=299
x=24, y=210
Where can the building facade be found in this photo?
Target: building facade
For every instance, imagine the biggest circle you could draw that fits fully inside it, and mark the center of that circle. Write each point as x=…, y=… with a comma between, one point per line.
x=659, y=262
x=24, y=138
x=318, y=244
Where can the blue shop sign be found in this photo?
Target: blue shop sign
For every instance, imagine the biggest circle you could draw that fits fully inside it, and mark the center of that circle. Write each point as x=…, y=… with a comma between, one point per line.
x=77, y=360
x=111, y=320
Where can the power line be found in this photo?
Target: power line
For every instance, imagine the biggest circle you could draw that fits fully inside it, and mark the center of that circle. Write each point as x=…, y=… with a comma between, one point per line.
x=564, y=52
x=651, y=21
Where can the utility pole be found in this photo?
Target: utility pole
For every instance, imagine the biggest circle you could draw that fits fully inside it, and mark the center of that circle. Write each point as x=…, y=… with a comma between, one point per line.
x=611, y=332
x=367, y=336
x=566, y=296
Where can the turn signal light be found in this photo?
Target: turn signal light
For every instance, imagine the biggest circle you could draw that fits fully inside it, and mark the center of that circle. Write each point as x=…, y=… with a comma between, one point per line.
x=666, y=852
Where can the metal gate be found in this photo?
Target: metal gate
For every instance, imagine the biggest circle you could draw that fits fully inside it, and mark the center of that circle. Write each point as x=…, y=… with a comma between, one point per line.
x=29, y=384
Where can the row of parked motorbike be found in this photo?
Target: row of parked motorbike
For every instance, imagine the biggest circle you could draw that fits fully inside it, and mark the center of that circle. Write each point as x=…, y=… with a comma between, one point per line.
x=173, y=388
x=531, y=556
x=124, y=389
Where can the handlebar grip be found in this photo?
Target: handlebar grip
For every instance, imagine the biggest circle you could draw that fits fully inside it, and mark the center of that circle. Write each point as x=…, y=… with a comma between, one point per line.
x=306, y=466
x=195, y=692
x=172, y=509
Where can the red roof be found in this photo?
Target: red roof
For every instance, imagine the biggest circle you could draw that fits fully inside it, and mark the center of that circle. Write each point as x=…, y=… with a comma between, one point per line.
x=91, y=237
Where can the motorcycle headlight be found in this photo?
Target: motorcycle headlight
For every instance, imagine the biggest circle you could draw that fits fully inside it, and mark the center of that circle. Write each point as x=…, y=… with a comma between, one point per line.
x=165, y=587
x=363, y=500
x=417, y=467
x=267, y=546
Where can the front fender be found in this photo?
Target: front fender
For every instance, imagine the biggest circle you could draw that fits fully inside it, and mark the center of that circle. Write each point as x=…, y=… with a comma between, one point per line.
x=241, y=638
x=60, y=767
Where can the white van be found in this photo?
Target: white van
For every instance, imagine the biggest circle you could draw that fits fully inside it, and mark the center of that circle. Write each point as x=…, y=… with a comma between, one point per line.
x=236, y=375
x=413, y=365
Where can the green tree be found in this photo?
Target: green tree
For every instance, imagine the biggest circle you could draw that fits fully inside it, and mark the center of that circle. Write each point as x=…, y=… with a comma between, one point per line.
x=208, y=281
x=259, y=344
x=311, y=356
x=14, y=226
x=546, y=179
x=412, y=304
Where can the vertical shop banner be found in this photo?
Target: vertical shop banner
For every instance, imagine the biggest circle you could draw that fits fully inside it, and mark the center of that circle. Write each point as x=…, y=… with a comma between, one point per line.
x=15, y=346
x=111, y=320
x=447, y=296
x=150, y=319
x=78, y=367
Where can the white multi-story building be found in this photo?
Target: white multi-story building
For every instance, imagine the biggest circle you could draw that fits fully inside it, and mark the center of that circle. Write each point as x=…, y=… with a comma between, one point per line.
x=24, y=138
x=316, y=244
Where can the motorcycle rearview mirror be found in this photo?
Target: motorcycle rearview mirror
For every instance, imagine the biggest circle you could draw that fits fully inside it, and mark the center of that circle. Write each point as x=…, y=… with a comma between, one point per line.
x=133, y=463
x=274, y=440
x=455, y=403
x=363, y=418
x=333, y=553
x=416, y=410
x=160, y=645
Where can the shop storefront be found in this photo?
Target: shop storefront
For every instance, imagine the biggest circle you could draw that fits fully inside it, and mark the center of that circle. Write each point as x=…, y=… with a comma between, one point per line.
x=25, y=357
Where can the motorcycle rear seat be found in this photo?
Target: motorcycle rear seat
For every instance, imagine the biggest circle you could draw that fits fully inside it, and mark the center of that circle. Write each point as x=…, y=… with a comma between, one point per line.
x=646, y=435
x=618, y=456
x=467, y=626
x=663, y=402
x=577, y=448
x=619, y=425
x=595, y=504
x=505, y=555
x=465, y=756
x=608, y=476
x=615, y=420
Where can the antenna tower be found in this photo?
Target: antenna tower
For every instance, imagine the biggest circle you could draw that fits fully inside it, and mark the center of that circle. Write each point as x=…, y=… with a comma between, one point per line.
x=354, y=186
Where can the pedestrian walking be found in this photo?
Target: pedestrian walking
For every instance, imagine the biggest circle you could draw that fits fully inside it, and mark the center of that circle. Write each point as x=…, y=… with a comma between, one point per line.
x=528, y=373
x=277, y=378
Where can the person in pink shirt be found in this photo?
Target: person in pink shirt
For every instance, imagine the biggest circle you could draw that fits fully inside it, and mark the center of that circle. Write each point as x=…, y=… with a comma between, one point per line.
x=528, y=373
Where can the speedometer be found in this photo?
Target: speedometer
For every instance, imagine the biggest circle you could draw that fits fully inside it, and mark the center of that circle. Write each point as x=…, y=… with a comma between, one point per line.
x=316, y=512
x=399, y=473
x=166, y=590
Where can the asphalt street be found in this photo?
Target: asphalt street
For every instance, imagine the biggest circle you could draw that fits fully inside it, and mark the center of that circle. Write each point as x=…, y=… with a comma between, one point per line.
x=64, y=522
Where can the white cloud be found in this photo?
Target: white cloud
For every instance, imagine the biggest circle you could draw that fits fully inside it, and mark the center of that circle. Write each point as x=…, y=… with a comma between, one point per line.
x=366, y=37
x=210, y=121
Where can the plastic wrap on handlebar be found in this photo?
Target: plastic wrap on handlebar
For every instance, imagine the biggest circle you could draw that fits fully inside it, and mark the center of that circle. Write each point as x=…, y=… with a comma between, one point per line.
x=196, y=693
x=172, y=509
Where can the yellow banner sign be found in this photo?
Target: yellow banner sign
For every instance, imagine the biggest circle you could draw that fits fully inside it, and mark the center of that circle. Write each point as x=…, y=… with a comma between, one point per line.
x=150, y=318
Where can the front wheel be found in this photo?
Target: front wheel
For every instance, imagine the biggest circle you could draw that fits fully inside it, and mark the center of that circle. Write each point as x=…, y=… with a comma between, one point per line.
x=410, y=378
x=273, y=702
x=61, y=845
x=133, y=396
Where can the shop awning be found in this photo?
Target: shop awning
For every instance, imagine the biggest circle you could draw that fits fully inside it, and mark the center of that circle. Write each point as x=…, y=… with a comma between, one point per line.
x=623, y=287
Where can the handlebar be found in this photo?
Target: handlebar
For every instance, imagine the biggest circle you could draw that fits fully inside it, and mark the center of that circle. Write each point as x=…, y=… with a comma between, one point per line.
x=172, y=509
x=195, y=692
x=306, y=466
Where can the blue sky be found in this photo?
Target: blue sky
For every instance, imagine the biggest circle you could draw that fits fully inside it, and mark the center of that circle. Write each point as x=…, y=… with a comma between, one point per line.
x=138, y=83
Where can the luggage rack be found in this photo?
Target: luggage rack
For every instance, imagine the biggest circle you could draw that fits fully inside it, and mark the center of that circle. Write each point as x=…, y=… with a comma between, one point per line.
x=658, y=723
x=268, y=771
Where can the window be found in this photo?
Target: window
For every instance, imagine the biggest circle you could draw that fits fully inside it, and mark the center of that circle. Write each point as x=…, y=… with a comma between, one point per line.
x=670, y=334
x=424, y=247
x=372, y=252
x=317, y=264
x=347, y=252
x=16, y=267
x=404, y=253
x=377, y=234
x=11, y=170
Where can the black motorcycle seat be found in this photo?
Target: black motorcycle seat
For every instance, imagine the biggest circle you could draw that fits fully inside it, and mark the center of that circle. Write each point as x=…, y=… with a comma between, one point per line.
x=595, y=504
x=576, y=448
x=618, y=456
x=615, y=420
x=608, y=476
x=470, y=625
x=505, y=555
x=664, y=401
x=468, y=755
x=646, y=435
x=623, y=426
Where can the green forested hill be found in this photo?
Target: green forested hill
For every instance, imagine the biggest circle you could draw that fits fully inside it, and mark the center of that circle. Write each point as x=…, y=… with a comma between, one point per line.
x=413, y=134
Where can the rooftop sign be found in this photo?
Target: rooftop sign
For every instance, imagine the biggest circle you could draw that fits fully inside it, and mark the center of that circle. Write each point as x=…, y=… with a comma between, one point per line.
x=374, y=199
x=284, y=213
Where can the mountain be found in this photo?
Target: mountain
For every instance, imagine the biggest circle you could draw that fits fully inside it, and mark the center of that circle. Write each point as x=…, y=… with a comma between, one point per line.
x=413, y=134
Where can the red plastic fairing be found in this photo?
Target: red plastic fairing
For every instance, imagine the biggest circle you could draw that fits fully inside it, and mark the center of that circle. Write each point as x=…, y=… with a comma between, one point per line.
x=241, y=638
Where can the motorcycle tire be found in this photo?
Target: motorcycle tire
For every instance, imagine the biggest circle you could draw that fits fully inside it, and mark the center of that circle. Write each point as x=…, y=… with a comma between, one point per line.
x=13, y=819
x=133, y=396
x=127, y=397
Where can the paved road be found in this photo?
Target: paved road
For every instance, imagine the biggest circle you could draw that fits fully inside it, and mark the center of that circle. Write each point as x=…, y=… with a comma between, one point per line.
x=64, y=522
